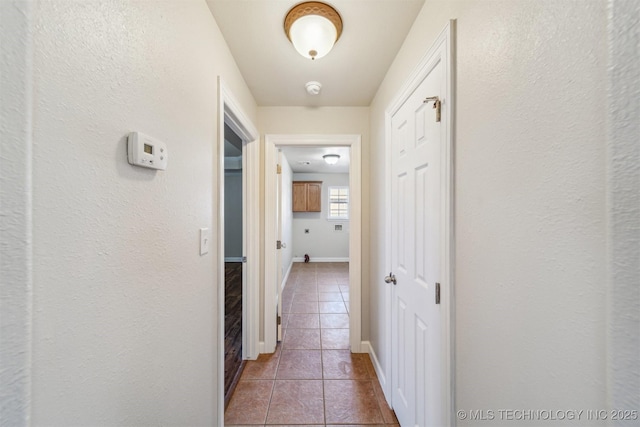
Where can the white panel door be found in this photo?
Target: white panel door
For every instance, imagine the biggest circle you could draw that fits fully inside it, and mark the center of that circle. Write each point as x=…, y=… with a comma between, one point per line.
x=416, y=237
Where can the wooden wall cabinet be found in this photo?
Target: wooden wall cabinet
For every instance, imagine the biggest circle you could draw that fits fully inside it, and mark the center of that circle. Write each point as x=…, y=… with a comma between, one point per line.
x=307, y=196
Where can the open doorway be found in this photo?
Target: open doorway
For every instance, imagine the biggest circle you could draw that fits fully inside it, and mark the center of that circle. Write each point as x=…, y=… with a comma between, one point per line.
x=312, y=217
x=314, y=254
x=233, y=257
x=352, y=249
x=231, y=116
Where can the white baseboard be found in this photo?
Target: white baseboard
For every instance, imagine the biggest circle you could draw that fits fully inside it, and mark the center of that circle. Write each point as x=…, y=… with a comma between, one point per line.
x=367, y=348
x=286, y=276
x=318, y=259
x=233, y=259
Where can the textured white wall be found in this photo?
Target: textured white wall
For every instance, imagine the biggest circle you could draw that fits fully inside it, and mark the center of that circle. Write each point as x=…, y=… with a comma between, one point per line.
x=15, y=211
x=124, y=308
x=529, y=200
x=624, y=206
x=322, y=241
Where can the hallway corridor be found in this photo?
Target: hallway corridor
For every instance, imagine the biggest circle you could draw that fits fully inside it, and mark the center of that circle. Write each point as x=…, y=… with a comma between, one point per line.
x=312, y=378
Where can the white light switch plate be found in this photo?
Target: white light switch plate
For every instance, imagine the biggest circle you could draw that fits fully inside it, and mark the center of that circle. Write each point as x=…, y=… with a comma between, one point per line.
x=205, y=241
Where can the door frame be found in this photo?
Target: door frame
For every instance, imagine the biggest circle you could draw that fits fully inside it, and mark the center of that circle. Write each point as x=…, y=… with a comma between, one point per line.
x=230, y=112
x=445, y=39
x=272, y=142
x=279, y=275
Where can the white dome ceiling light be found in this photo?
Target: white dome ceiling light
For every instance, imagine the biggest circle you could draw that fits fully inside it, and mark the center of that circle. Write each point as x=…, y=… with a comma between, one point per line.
x=313, y=28
x=331, y=159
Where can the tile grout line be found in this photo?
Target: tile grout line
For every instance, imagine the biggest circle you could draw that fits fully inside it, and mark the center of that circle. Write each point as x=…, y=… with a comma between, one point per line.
x=273, y=389
x=324, y=406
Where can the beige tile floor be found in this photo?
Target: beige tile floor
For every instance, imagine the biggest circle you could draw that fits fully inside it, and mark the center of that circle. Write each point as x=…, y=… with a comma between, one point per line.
x=312, y=378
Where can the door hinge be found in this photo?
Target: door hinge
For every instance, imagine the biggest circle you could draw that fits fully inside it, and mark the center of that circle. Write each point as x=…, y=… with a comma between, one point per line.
x=244, y=259
x=278, y=169
x=437, y=293
x=278, y=244
x=279, y=320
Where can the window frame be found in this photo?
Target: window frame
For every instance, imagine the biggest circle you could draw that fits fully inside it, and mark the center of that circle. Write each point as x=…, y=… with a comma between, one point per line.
x=347, y=203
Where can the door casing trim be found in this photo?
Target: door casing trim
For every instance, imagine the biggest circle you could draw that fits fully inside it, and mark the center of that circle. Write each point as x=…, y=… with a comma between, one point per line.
x=355, y=234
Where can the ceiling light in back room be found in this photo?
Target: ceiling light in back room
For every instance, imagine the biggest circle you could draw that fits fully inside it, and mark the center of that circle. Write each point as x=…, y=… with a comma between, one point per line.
x=331, y=159
x=313, y=28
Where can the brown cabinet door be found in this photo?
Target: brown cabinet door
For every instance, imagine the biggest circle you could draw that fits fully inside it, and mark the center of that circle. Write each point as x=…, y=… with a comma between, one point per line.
x=307, y=196
x=299, y=197
x=314, y=192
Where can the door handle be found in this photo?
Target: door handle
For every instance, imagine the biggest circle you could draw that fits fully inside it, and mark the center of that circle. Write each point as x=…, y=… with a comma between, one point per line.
x=391, y=278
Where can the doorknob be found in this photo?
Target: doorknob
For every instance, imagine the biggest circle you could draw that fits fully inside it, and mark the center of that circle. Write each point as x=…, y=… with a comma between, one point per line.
x=391, y=278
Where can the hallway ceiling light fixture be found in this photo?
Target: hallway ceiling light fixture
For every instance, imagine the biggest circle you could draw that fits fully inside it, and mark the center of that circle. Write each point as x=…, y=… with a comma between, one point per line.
x=313, y=28
x=331, y=159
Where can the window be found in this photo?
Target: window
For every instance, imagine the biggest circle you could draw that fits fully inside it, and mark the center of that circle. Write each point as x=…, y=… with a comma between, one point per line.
x=338, y=203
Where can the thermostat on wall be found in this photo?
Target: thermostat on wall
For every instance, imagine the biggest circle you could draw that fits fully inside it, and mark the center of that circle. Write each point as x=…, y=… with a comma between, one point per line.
x=145, y=151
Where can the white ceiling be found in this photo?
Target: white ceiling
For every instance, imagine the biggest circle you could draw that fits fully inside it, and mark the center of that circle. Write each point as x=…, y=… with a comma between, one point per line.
x=298, y=157
x=350, y=74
